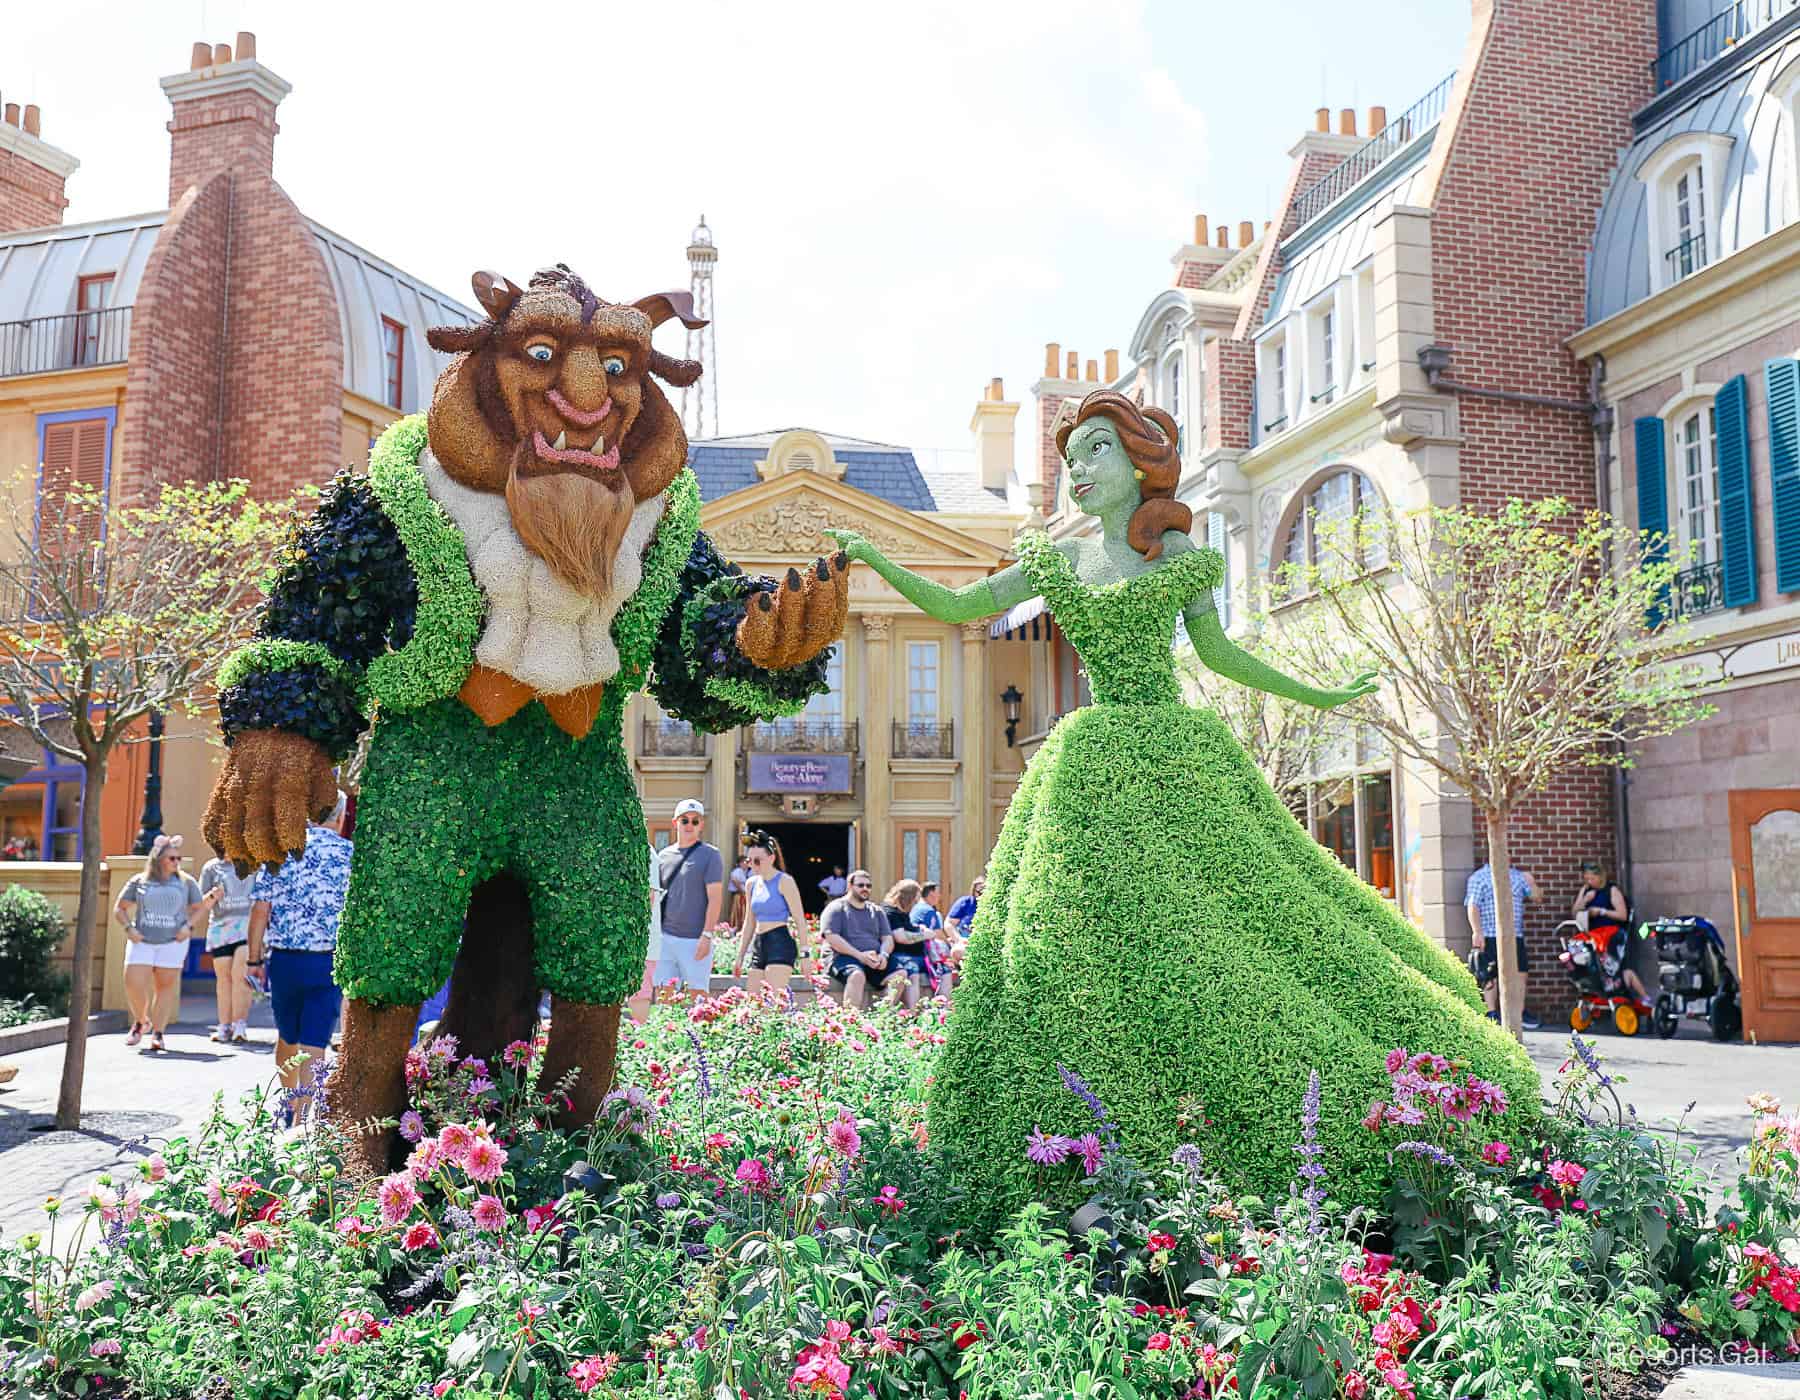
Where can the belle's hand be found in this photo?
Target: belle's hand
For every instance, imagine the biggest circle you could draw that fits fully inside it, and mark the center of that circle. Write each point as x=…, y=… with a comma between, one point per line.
x=853, y=544
x=1364, y=683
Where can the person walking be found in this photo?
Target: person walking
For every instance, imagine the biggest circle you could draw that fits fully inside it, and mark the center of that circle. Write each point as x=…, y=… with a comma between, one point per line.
x=1478, y=903
x=228, y=941
x=769, y=938
x=737, y=887
x=294, y=917
x=157, y=908
x=691, y=879
x=860, y=941
x=646, y=992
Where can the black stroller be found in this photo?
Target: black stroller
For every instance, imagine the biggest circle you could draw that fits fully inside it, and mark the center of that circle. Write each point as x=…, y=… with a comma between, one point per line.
x=1694, y=970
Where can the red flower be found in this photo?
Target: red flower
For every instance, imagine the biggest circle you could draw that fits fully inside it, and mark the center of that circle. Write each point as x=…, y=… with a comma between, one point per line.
x=1162, y=1241
x=1159, y=1341
x=964, y=1335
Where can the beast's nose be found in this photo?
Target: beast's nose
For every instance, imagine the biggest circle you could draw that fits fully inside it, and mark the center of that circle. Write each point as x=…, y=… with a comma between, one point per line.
x=580, y=417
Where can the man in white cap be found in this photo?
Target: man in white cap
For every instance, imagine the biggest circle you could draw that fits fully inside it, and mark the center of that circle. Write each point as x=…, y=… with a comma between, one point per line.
x=691, y=877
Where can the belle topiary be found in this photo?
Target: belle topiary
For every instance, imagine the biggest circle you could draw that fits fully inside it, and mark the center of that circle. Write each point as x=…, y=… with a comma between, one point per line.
x=1155, y=920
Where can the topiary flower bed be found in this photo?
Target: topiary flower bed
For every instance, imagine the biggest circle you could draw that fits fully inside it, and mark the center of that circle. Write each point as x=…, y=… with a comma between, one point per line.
x=760, y=1212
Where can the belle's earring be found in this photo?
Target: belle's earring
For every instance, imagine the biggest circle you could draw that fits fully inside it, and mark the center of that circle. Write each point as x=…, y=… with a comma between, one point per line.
x=1138, y=473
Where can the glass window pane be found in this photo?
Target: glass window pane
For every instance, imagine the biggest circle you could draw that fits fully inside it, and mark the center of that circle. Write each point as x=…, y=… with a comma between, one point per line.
x=934, y=856
x=1775, y=865
x=1378, y=830
x=1336, y=816
x=829, y=707
x=909, y=852
x=922, y=683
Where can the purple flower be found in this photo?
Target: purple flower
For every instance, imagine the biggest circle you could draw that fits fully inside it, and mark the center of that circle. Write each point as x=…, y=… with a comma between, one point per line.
x=1311, y=1170
x=1591, y=1060
x=1047, y=1149
x=702, y=1070
x=1091, y=1150
x=668, y=1201
x=412, y=1126
x=1429, y=1151
x=1077, y=1086
x=1189, y=1159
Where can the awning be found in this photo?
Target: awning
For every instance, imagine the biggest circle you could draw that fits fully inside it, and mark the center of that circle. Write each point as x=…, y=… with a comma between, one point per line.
x=1029, y=621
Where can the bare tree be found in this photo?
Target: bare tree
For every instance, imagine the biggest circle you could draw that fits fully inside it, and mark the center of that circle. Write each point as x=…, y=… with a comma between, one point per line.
x=1284, y=738
x=110, y=614
x=1512, y=646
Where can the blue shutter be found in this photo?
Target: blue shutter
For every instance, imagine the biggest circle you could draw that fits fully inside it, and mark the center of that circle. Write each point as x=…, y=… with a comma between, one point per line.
x=1737, y=525
x=1783, y=380
x=1653, y=502
x=1215, y=536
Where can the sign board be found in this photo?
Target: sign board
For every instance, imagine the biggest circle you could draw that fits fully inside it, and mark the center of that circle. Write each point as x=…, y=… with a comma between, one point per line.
x=1746, y=659
x=799, y=772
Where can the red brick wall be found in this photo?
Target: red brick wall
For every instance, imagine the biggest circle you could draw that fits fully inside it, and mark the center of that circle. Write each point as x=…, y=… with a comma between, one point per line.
x=1049, y=459
x=30, y=196
x=1230, y=384
x=227, y=131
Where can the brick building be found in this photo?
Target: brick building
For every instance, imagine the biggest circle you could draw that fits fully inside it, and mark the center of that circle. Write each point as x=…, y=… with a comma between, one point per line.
x=226, y=336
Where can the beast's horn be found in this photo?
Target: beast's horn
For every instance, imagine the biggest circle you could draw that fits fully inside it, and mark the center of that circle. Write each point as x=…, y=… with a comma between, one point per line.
x=662, y=305
x=495, y=293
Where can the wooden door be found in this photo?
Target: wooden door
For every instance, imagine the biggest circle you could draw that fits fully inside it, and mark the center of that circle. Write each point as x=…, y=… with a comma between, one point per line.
x=921, y=852
x=1765, y=877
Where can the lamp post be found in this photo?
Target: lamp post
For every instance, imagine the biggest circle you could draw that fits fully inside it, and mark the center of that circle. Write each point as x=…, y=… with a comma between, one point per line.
x=150, y=824
x=1010, y=698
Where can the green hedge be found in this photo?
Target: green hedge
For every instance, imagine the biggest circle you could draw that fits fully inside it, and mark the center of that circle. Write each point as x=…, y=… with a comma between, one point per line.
x=1156, y=920
x=31, y=930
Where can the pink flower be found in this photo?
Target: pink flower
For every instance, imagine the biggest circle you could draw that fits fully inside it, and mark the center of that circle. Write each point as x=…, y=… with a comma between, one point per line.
x=1497, y=1154
x=1159, y=1341
x=1090, y=1150
x=397, y=1198
x=94, y=1295
x=426, y=1158
x=419, y=1235
x=888, y=1198
x=836, y=1331
x=106, y=1346
x=454, y=1141
x=442, y=1388
x=1398, y=1381
x=1355, y=1386
x=591, y=1370
x=489, y=1215
x=820, y=1371
x=215, y=1196
x=485, y=1160
x=753, y=1174
x=1395, y=1059
x=1567, y=1175
x=536, y=1217
x=517, y=1054
x=884, y=1341
x=354, y=1228
x=1372, y=1119
x=843, y=1136
x=153, y=1167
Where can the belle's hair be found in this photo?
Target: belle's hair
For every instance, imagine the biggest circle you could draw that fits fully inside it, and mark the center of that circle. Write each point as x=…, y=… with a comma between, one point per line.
x=1153, y=443
x=769, y=844
x=904, y=895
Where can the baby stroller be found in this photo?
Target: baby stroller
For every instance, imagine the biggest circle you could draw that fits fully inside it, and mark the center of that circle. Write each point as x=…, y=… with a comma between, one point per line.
x=1594, y=961
x=1693, y=969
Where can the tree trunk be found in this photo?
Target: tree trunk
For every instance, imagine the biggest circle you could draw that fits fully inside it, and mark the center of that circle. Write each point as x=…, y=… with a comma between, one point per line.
x=1512, y=982
x=87, y=925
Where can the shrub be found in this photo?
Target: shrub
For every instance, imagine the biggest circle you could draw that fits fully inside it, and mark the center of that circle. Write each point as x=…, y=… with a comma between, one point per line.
x=31, y=930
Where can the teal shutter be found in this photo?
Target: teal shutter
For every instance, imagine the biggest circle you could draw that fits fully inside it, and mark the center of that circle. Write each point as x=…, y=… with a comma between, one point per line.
x=1215, y=537
x=1737, y=522
x=1653, y=501
x=1783, y=380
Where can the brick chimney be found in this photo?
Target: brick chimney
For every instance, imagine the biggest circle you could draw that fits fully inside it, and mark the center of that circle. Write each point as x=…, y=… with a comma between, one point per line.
x=992, y=426
x=224, y=115
x=32, y=172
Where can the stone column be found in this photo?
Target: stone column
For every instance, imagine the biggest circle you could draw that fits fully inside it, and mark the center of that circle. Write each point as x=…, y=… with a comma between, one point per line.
x=977, y=725
x=722, y=815
x=877, y=744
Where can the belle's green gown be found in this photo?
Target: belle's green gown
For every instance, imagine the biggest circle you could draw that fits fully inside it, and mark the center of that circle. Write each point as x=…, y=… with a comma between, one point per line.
x=1157, y=921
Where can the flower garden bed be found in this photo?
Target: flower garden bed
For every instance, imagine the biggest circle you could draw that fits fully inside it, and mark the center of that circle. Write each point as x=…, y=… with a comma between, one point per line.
x=760, y=1212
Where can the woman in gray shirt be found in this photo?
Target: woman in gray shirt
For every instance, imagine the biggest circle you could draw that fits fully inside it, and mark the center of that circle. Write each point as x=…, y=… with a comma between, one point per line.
x=158, y=908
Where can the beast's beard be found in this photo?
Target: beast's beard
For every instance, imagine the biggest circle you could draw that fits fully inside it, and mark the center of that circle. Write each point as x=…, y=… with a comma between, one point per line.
x=571, y=521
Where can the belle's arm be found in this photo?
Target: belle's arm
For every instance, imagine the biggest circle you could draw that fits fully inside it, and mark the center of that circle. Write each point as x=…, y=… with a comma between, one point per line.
x=1218, y=653
x=983, y=598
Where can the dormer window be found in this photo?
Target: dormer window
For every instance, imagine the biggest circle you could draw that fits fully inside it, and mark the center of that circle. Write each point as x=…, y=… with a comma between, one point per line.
x=1689, y=253
x=1683, y=183
x=393, y=348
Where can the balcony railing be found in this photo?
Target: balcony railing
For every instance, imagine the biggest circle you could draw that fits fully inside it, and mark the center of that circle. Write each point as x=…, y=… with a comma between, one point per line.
x=1393, y=138
x=801, y=736
x=1687, y=256
x=672, y=738
x=912, y=740
x=46, y=343
x=1697, y=591
x=1724, y=30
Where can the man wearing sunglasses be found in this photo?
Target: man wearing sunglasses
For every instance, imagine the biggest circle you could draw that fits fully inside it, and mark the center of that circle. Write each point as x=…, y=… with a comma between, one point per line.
x=691, y=877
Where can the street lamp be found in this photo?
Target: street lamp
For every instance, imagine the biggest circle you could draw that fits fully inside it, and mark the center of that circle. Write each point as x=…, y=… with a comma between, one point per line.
x=1011, y=698
x=151, y=822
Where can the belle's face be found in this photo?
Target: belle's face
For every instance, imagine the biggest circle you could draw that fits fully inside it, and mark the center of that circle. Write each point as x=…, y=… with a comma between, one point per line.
x=1101, y=477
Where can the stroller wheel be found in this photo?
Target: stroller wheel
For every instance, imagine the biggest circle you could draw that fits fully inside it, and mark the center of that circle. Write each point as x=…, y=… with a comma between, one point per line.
x=1579, y=1019
x=1625, y=1019
x=1666, y=1019
x=1724, y=1017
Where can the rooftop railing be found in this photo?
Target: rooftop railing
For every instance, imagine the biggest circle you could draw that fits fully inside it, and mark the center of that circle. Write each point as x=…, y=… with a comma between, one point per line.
x=1692, y=52
x=73, y=341
x=671, y=738
x=1393, y=138
x=1686, y=257
x=918, y=739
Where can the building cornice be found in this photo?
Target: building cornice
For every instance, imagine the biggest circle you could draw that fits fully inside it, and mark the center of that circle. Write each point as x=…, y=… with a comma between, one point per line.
x=16, y=141
x=216, y=80
x=1311, y=434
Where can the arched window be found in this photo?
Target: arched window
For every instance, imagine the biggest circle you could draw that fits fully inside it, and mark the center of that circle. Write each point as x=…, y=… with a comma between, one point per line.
x=1338, y=494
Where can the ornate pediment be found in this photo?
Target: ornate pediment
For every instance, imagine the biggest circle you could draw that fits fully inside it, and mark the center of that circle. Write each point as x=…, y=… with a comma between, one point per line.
x=787, y=518
x=797, y=526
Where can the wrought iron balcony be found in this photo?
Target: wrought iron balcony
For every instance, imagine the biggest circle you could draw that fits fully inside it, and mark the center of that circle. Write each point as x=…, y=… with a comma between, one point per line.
x=672, y=738
x=1393, y=138
x=913, y=740
x=1686, y=257
x=82, y=338
x=801, y=735
x=1697, y=591
x=1692, y=52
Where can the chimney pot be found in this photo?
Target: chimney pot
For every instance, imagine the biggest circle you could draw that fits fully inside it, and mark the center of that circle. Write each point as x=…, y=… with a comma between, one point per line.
x=221, y=54
x=1201, y=235
x=33, y=118
x=1265, y=228
x=202, y=56
x=1072, y=370
x=1112, y=365
x=996, y=389
x=1347, y=122
x=1052, y=359
x=1224, y=236
x=1246, y=233
x=1093, y=371
x=1322, y=119
x=1377, y=120
x=246, y=45
x=12, y=113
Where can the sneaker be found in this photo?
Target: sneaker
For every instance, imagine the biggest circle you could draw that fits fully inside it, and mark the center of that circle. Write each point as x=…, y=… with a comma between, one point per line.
x=220, y=1033
x=137, y=1034
x=240, y=1032
x=1529, y=1021
x=156, y=1041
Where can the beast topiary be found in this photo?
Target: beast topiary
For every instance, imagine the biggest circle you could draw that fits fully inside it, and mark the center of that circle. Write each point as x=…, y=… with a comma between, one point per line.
x=1155, y=920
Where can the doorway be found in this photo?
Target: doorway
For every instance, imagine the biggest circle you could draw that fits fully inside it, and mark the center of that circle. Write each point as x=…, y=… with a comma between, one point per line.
x=1765, y=879
x=811, y=849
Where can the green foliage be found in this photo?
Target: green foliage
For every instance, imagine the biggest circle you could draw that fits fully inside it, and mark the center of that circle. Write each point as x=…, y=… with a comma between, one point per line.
x=31, y=930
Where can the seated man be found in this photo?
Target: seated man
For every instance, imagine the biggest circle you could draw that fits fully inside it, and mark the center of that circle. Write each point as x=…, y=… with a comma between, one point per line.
x=857, y=934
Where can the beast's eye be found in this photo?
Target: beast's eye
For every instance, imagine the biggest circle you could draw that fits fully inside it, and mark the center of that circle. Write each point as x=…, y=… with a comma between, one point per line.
x=613, y=364
x=541, y=353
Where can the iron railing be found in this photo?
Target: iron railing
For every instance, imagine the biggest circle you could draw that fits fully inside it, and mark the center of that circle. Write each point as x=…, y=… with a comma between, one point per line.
x=1694, y=51
x=672, y=738
x=1697, y=591
x=82, y=338
x=915, y=740
x=801, y=735
x=1393, y=138
x=1687, y=256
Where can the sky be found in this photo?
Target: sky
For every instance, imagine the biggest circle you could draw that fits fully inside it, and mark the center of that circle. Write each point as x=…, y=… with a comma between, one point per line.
x=907, y=199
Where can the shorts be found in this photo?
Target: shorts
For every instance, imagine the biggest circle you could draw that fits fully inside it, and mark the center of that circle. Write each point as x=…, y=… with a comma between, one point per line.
x=680, y=961
x=912, y=964
x=227, y=951
x=842, y=965
x=1487, y=960
x=775, y=948
x=304, y=998
x=167, y=956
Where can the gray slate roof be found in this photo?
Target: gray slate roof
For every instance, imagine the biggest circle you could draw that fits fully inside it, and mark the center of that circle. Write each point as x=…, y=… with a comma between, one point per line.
x=728, y=464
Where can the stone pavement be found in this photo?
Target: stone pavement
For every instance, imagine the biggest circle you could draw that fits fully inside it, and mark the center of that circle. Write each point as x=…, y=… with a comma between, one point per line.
x=1778, y=1382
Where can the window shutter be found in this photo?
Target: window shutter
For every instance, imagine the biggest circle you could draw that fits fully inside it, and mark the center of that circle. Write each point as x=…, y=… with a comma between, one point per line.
x=1653, y=501
x=1737, y=532
x=1215, y=537
x=1783, y=380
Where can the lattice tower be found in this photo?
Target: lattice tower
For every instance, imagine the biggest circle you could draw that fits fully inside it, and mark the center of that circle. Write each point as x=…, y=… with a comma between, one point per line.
x=700, y=401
